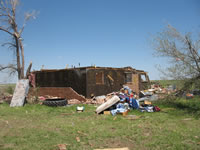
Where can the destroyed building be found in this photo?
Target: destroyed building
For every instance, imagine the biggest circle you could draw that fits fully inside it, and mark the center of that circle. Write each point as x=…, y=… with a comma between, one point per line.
x=88, y=81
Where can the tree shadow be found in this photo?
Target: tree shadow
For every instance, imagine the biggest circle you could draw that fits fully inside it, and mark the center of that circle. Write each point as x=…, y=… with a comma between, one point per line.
x=189, y=106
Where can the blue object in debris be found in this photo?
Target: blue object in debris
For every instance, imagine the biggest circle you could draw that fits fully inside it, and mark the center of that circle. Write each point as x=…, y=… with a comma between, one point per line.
x=120, y=108
x=127, y=88
x=149, y=108
x=134, y=103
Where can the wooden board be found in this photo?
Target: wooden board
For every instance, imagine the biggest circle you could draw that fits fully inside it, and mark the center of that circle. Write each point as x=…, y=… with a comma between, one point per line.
x=124, y=113
x=20, y=93
x=147, y=102
x=106, y=113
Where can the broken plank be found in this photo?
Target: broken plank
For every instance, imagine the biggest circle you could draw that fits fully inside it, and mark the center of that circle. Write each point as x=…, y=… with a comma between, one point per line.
x=106, y=113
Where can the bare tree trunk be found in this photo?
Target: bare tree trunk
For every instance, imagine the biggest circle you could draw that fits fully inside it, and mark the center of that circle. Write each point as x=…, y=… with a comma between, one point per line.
x=22, y=58
x=18, y=58
x=18, y=42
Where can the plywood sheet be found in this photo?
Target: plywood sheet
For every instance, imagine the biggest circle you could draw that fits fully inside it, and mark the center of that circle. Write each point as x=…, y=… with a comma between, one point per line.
x=20, y=93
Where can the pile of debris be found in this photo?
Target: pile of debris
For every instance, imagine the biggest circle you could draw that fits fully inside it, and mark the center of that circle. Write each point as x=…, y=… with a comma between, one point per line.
x=41, y=99
x=74, y=101
x=5, y=98
x=125, y=100
x=99, y=99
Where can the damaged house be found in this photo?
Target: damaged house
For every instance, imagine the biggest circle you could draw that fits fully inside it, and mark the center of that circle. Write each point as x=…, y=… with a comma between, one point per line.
x=89, y=81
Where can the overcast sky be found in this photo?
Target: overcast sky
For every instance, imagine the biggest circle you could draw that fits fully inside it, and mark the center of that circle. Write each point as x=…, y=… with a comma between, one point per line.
x=107, y=33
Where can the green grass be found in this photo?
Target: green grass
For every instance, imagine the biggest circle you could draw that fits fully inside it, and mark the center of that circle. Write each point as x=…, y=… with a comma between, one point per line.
x=7, y=88
x=37, y=127
x=165, y=83
x=185, y=85
x=189, y=106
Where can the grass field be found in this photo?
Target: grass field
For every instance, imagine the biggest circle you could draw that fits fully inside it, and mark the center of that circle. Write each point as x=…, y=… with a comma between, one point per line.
x=165, y=83
x=7, y=88
x=36, y=127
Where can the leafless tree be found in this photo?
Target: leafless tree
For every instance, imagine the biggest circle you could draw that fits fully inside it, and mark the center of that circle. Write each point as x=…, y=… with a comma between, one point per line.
x=182, y=51
x=10, y=25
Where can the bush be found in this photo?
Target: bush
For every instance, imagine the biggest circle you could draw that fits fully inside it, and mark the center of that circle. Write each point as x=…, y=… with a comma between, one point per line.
x=192, y=84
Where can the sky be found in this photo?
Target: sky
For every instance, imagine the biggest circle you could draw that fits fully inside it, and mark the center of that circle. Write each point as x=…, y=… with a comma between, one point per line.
x=105, y=33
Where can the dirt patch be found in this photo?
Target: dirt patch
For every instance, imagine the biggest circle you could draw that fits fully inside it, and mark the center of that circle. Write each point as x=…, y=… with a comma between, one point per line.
x=7, y=146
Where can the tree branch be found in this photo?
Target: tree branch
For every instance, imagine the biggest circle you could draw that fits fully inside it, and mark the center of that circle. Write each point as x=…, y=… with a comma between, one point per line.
x=28, y=16
x=5, y=30
x=180, y=50
x=9, y=66
x=8, y=43
x=192, y=51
